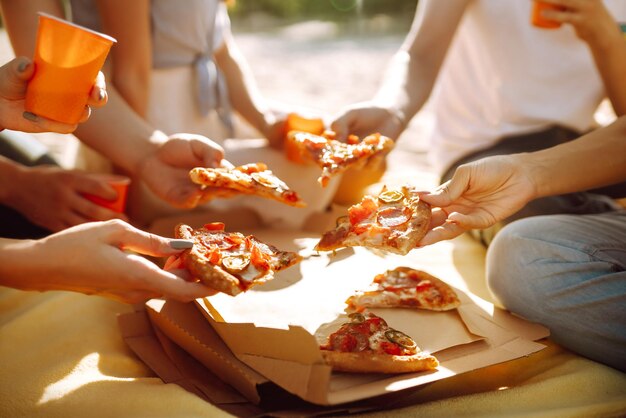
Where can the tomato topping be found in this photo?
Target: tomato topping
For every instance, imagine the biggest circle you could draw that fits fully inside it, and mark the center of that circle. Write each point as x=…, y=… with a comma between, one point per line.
x=393, y=216
x=290, y=195
x=214, y=226
x=423, y=286
x=353, y=139
x=391, y=348
x=214, y=256
x=235, y=239
x=373, y=139
x=363, y=210
x=258, y=258
x=348, y=342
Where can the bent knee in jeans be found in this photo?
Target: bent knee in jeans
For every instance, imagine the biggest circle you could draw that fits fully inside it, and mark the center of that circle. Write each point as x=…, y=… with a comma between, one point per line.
x=568, y=273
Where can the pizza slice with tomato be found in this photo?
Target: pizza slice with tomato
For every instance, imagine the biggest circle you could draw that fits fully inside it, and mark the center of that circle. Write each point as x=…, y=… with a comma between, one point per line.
x=229, y=262
x=394, y=221
x=366, y=344
x=405, y=287
x=335, y=157
x=253, y=179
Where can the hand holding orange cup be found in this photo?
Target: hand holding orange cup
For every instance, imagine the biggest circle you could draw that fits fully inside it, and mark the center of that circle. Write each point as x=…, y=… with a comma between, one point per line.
x=67, y=60
x=120, y=184
x=537, y=18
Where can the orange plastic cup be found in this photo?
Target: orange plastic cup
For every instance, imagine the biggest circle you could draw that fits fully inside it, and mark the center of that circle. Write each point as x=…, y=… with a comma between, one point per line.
x=67, y=60
x=297, y=122
x=120, y=184
x=541, y=22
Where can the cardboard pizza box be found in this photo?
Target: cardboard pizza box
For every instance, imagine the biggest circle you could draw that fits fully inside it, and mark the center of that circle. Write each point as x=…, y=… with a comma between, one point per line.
x=273, y=331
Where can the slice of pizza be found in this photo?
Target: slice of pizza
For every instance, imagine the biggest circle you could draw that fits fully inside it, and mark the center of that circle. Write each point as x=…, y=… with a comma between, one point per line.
x=253, y=179
x=367, y=344
x=394, y=221
x=405, y=287
x=230, y=262
x=335, y=157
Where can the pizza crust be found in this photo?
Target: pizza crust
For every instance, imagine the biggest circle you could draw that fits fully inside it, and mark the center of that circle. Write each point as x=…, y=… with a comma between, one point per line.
x=370, y=362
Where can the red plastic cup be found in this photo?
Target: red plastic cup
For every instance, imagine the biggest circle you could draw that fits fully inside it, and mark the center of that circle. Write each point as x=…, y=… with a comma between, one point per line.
x=67, y=60
x=541, y=22
x=120, y=184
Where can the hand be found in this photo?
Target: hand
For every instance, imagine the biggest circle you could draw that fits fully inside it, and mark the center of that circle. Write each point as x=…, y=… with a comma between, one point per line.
x=14, y=77
x=51, y=197
x=590, y=18
x=366, y=118
x=479, y=194
x=96, y=258
x=166, y=171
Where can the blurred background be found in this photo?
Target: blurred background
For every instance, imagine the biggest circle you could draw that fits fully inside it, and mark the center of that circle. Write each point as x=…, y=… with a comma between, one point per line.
x=316, y=54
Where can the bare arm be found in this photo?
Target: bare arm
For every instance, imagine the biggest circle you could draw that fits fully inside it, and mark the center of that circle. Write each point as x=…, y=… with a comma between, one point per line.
x=129, y=23
x=243, y=92
x=414, y=69
x=595, y=160
x=595, y=26
x=410, y=76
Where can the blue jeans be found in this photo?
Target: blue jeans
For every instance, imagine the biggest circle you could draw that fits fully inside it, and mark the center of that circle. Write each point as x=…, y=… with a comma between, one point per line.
x=567, y=272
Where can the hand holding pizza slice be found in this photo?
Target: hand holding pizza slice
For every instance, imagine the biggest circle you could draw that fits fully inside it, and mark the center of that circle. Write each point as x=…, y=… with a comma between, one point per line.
x=367, y=344
x=253, y=179
x=229, y=262
x=332, y=156
x=394, y=221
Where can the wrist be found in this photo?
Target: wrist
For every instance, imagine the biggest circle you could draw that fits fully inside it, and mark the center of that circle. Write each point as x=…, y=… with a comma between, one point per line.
x=535, y=169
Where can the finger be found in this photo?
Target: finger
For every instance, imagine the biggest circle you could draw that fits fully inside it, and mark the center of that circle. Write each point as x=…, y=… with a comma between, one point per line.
x=37, y=123
x=186, y=196
x=86, y=114
x=98, y=96
x=206, y=151
x=449, y=191
x=437, y=218
x=447, y=230
x=94, y=185
x=95, y=212
x=128, y=237
x=226, y=164
x=172, y=286
x=14, y=78
x=340, y=127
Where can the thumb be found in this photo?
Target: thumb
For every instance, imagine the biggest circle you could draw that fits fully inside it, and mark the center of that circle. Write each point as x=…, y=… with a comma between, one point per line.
x=14, y=78
x=341, y=128
x=448, y=192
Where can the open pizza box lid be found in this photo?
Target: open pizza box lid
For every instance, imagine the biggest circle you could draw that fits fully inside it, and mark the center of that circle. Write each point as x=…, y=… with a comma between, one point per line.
x=272, y=332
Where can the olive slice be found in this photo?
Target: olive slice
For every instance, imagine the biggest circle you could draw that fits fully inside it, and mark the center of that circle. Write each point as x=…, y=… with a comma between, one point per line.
x=400, y=338
x=356, y=318
x=265, y=179
x=236, y=263
x=391, y=196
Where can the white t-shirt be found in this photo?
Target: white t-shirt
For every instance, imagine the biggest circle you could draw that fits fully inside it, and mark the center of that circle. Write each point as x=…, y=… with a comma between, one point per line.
x=502, y=76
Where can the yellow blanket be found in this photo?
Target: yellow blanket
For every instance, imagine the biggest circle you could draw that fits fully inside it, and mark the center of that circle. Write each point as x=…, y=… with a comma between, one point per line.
x=63, y=356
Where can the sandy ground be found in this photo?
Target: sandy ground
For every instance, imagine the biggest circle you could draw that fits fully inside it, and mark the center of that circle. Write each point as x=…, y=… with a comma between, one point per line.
x=306, y=65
